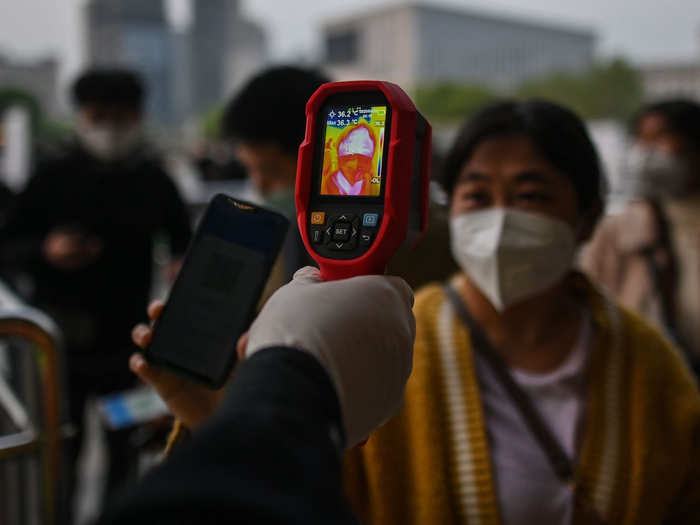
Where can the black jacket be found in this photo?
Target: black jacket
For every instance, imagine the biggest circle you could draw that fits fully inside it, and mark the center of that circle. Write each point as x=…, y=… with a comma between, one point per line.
x=272, y=454
x=125, y=205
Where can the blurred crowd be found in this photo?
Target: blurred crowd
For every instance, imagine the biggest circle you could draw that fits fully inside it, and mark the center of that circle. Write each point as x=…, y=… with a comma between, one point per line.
x=592, y=314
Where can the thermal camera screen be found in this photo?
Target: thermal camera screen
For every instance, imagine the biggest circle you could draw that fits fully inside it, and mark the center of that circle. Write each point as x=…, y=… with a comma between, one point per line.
x=353, y=151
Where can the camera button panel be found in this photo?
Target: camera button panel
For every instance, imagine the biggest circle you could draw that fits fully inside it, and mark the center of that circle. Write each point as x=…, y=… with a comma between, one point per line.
x=344, y=235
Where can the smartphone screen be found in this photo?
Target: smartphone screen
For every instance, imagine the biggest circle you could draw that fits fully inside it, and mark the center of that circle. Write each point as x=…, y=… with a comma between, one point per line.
x=213, y=300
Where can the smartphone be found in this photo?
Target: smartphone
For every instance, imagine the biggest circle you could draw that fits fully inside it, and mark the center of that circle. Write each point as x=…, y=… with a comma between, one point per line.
x=214, y=298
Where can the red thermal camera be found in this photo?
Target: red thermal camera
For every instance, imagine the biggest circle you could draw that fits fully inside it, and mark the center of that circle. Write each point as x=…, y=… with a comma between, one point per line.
x=362, y=176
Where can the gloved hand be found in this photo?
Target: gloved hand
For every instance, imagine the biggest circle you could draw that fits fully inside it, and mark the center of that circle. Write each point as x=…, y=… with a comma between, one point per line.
x=360, y=329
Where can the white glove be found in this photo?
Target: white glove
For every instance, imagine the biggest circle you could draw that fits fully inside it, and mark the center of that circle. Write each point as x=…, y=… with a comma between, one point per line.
x=360, y=329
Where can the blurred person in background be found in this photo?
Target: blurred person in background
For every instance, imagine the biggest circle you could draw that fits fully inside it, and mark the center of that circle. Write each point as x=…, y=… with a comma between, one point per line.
x=533, y=398
x=83, y=232
x=648, y=254
x=266, y=121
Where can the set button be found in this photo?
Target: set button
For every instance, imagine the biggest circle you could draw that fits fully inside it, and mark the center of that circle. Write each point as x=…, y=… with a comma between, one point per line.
x=341, y=231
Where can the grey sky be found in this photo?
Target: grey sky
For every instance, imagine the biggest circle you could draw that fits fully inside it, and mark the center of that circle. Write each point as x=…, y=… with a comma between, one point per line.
x=642, y=30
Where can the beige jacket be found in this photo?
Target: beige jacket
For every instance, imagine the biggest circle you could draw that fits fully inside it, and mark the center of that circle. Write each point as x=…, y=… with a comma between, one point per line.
x=621, y=254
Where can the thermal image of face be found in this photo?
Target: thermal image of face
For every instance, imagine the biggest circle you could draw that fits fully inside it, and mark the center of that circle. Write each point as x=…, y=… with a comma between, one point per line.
x=353, y=152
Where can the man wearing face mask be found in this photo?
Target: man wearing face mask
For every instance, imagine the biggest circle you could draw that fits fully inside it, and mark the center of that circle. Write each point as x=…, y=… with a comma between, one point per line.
x=266, y=121
x=648, y=253
x=83, y=232
x=534, y=398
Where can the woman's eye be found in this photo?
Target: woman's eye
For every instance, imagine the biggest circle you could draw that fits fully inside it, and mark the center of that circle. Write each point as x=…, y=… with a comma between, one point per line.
x=476, y=198
x=534, y=197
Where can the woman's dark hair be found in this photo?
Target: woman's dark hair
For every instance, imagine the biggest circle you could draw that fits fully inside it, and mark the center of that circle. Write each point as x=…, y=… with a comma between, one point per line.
x=271, y=108
x=557, y=133
x=113, y=87
x=682, y=115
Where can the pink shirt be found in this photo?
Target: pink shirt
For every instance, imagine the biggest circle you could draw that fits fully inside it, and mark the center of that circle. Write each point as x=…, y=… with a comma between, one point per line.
x=527, y=487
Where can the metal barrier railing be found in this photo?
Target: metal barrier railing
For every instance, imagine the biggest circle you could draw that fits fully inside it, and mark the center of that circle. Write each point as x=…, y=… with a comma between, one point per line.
x=30, y=423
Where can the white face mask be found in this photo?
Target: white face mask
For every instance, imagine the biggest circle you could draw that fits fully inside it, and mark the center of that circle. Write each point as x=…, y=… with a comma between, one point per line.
x=511, y=254
x=108, y=142
x=653, y=173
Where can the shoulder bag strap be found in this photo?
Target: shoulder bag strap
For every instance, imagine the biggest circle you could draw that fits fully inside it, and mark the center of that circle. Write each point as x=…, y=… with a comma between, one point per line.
x=558, y=459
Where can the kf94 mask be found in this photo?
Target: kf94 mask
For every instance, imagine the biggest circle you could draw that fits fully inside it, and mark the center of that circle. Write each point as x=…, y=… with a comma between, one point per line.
x=649, y=173
x=511, y=254
x=108, y=142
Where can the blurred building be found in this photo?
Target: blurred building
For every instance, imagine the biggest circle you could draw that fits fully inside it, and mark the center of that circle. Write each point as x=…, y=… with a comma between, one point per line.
x=37, y=78
x=672, y=80
x=419, y=44
x=226, y=49
x=134, y=34
x=678, y=79
x=187, y=71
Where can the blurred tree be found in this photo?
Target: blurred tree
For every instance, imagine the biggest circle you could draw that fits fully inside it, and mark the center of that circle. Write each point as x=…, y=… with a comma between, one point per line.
x=43, y=129
x=211, y=122
x=54, y=130
x=610, y=90
x=450, y=102
x=11, y=96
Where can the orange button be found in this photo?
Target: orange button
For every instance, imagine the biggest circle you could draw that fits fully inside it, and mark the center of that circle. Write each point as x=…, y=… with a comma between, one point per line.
x=318, y=217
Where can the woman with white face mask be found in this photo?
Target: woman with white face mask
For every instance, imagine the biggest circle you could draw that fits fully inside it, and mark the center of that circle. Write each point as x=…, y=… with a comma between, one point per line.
x=534, y=398
x=648, y=252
